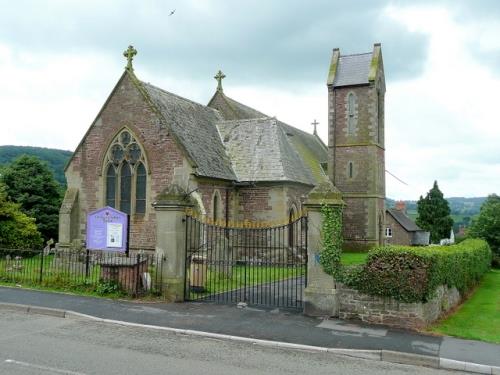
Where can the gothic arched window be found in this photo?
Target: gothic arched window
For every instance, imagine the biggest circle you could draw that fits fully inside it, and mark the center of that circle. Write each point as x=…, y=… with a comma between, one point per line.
x=380, y=116
x=350, y=168
x=215, y=208
x=126, y=178
x=351, y=113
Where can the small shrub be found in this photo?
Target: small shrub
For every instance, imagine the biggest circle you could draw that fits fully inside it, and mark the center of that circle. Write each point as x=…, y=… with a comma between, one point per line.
x=107, y=287
x=412, y=274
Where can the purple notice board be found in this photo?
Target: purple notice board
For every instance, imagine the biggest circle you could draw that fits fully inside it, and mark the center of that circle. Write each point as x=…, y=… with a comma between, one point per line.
x=107, y=230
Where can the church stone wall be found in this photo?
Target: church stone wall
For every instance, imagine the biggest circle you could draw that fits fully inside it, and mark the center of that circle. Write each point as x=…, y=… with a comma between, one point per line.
x=165, y=162
x=208, y=188
x=296, y=195
x=356, y=162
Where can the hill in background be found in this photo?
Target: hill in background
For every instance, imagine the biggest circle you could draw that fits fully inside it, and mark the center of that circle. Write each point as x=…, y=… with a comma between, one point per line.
x=56, y=159
x=462, y=209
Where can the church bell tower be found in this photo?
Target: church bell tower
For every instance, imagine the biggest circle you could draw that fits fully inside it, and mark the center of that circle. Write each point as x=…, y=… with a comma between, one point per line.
x=356, y=147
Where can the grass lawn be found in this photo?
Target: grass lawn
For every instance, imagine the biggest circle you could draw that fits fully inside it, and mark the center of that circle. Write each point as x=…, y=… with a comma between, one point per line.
x=479, y=317
x=353, y=258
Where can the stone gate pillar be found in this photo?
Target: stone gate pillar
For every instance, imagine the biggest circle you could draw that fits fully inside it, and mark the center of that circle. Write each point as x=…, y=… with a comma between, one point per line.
x=320, y=295
x=170, y=210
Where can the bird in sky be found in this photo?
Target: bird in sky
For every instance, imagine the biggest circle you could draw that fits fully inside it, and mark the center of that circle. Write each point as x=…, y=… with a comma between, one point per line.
x=172, y=12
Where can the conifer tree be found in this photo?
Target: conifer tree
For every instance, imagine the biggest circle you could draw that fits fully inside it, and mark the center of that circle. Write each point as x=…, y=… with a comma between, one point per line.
x=434, y=214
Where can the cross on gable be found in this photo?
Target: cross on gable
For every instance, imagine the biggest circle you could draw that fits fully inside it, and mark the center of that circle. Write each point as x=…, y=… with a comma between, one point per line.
x=315, y=124
x=219, y=77
x=129, y=53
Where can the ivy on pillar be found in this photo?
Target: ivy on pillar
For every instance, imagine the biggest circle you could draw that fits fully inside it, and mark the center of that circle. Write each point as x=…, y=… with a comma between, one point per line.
x=324, y=202
x=170, y=208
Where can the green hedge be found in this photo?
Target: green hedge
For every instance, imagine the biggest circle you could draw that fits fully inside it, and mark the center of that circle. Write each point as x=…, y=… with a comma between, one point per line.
x=412, y=274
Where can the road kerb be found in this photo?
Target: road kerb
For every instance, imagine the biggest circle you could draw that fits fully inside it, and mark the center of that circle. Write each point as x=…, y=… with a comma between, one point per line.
x=14, y=307
x=410, y=358
x=377, y=355
x=46, y=311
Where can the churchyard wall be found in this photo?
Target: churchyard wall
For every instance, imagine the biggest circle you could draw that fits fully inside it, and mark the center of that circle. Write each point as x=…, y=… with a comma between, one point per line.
x=388, y=311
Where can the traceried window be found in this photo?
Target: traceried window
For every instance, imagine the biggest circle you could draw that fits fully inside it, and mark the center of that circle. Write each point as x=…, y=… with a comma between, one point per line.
x=351, y=113
x=126, y=177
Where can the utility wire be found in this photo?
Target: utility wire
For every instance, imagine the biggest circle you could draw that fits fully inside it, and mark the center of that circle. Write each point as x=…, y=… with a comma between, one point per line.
x=397, y=178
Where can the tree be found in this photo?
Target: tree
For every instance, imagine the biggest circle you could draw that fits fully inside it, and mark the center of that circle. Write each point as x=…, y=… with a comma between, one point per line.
x=31, y=184
x=17, y=231
x=487, y=224
x=434, y=214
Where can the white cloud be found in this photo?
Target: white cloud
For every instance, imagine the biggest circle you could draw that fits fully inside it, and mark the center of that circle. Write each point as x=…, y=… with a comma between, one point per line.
x=441, y=125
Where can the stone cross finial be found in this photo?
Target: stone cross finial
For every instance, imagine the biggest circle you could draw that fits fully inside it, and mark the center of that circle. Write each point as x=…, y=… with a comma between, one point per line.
x=129, y=53
x=315, y=123
x=219, y=77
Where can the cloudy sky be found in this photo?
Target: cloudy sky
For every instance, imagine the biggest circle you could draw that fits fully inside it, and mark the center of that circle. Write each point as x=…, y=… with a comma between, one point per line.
x=60, y=59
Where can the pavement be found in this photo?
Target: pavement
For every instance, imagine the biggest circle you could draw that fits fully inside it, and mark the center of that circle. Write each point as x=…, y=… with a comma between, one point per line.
x=278, y=327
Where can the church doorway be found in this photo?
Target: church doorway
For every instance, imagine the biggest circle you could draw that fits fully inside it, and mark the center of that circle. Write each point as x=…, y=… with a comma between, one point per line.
x=249, y=263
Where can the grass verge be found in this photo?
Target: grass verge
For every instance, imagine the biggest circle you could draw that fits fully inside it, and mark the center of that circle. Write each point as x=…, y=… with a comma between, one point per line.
x=477, y=318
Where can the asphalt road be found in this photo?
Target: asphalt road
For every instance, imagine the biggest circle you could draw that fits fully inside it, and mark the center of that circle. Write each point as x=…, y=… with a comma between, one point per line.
x=37, y=344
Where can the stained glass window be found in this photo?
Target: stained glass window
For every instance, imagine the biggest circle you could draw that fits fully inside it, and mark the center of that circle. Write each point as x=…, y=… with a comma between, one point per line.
x=140, y=189
x=125, y=184
x=125, y=138
x=134, y=153
x=125, y=187
x=110, y=187
x=117, y=153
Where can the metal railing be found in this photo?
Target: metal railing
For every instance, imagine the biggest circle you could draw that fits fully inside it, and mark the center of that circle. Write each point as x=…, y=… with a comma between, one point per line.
x=261, y=266
x=94, y=272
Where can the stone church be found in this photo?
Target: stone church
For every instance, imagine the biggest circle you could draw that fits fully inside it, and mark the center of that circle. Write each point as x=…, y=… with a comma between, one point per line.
x=237, y=163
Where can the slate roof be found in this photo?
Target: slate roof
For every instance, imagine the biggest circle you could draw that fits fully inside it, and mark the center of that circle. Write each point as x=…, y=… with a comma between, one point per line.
x=253, y=148
x=353, y=70
x=194, y=126
x=407, y=223
x=265, y=149
x=243, y=111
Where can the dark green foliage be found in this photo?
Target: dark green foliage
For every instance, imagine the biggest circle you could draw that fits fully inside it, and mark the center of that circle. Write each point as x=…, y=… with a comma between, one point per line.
x=434, y=214
x=331, y=235
x=412, y=274
x=30, y=183
x=17, y=231
x=55, y=158
x=487, y=224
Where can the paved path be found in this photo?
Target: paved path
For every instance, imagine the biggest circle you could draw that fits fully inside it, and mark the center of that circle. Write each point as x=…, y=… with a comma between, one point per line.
x=276, y=325
x=37, y=344
x=282, y=293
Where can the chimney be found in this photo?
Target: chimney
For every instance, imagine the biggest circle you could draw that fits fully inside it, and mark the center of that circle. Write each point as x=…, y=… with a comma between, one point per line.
x=400, y=206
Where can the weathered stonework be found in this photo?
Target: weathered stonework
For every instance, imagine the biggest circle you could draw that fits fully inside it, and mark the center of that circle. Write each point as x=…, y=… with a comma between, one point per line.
x=387, y=311
x=321, y=294
x=363, y=185
x=125, y=107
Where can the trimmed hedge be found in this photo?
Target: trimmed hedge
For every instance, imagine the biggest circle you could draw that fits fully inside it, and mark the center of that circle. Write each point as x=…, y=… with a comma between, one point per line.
x=412, y=274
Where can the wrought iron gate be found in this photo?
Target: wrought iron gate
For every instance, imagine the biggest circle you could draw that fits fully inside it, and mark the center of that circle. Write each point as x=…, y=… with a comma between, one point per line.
x=259, y=266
